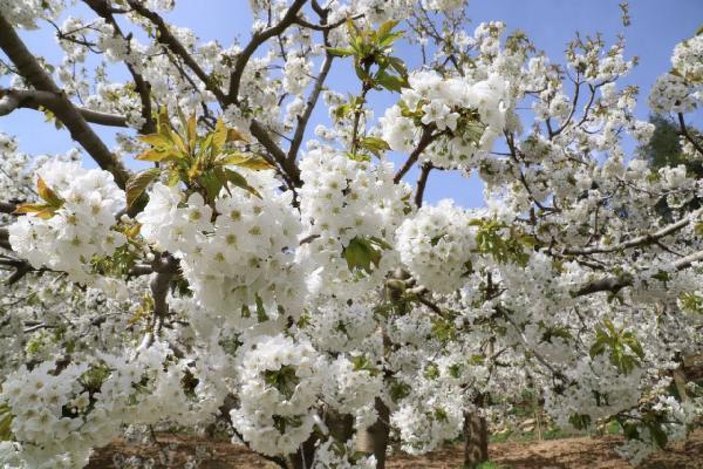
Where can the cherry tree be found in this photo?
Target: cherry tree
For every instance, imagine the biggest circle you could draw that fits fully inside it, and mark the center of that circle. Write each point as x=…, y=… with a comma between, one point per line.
x=292, y=283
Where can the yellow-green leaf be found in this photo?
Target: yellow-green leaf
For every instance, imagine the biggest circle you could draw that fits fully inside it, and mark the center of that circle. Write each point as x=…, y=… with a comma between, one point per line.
x=46, y=193
x=240, y=181
x=157, y=140
x=219, y=136
x=138, y=183
x=245, y=161
x=43, y=211
x=156, y=155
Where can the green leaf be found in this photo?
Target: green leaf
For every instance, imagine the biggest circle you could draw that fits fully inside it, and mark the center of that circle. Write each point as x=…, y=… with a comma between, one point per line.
x=375, y=145
x=391, y=82
x=260, y=310
x=138, y=183
x=340, y=52
x=360, y=253
x=240, y=181
x=385, y=29
x=6, y=418
x=156, y=140
x=157, y=155
x=658, y=435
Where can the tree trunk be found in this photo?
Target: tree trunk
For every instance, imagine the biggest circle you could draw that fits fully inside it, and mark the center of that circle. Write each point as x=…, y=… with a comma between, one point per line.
x=475, y=440
x=375, y=438
x=303, y=458
x=341, y=426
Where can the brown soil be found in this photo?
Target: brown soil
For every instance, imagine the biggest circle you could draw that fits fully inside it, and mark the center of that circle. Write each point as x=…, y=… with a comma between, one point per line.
x=174, y=451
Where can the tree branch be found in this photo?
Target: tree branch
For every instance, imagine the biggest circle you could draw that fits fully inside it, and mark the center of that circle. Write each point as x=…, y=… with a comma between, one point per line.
x=165, y=268
x=5, y=239
x=312, y=101
x=687, y=134
x=7, y=207
x=64, y=110
x=643, y=240
x=257, y=39
x=167, y=38
x=143, y=87
x=11, y=99
x=616, y=283
x=422, y=183
x=425, y=139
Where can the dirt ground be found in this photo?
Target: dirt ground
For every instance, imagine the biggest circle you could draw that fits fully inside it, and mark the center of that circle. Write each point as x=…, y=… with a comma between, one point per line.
x=593, y=453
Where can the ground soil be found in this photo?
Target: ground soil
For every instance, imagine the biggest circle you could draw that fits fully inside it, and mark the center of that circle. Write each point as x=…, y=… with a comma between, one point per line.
x=175, y=451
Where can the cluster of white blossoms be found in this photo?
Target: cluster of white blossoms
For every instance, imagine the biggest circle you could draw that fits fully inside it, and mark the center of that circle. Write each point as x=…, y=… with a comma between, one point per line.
x=348, y=205
x=15, y=180
x=280, y=382
x=61, y=411
x=468, y=115
x=340, y=328
x=681, y=90
x=67, y=231
x=436, y=245
x=687, y=59
x=596, y=388
x=671, y=93
x=297, y=74
x=378, y=11
x=25, y=13
x=352, y=388
x=241, y=259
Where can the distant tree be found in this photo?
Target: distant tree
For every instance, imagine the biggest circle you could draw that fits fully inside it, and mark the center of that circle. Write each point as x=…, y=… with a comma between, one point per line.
x=664, y=148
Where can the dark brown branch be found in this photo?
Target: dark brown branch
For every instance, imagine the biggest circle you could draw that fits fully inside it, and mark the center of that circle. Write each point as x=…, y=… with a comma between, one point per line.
x=425, y=140
x=257, y=40
x=11, y=99
x=165, y=37
x=422, y=183
x=312, y=101
x=143, y=87
x=289, y=167
x=687, y=134
x=574, y=103
x=5, y=239
x=7, y=207
x=30, y=69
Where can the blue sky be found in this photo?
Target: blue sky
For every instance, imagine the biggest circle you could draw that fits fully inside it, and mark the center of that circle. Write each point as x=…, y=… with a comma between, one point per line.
x=657, y=26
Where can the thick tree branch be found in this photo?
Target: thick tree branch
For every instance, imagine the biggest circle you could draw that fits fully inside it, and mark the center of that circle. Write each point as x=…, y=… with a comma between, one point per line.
x=7, y=207
x=422, y=183
x=5, y=239
x=425, y=139
x=143, y=87
x=11, y=99
x=643, y=240
x=257, y=40
x=310, y=106
x=167, y=38
x=65, y=111
x=165, y=268
x=288, y=166
x=616, y=283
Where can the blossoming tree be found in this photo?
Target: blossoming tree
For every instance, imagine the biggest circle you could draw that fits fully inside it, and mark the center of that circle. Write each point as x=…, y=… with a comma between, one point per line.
x=291, y=281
